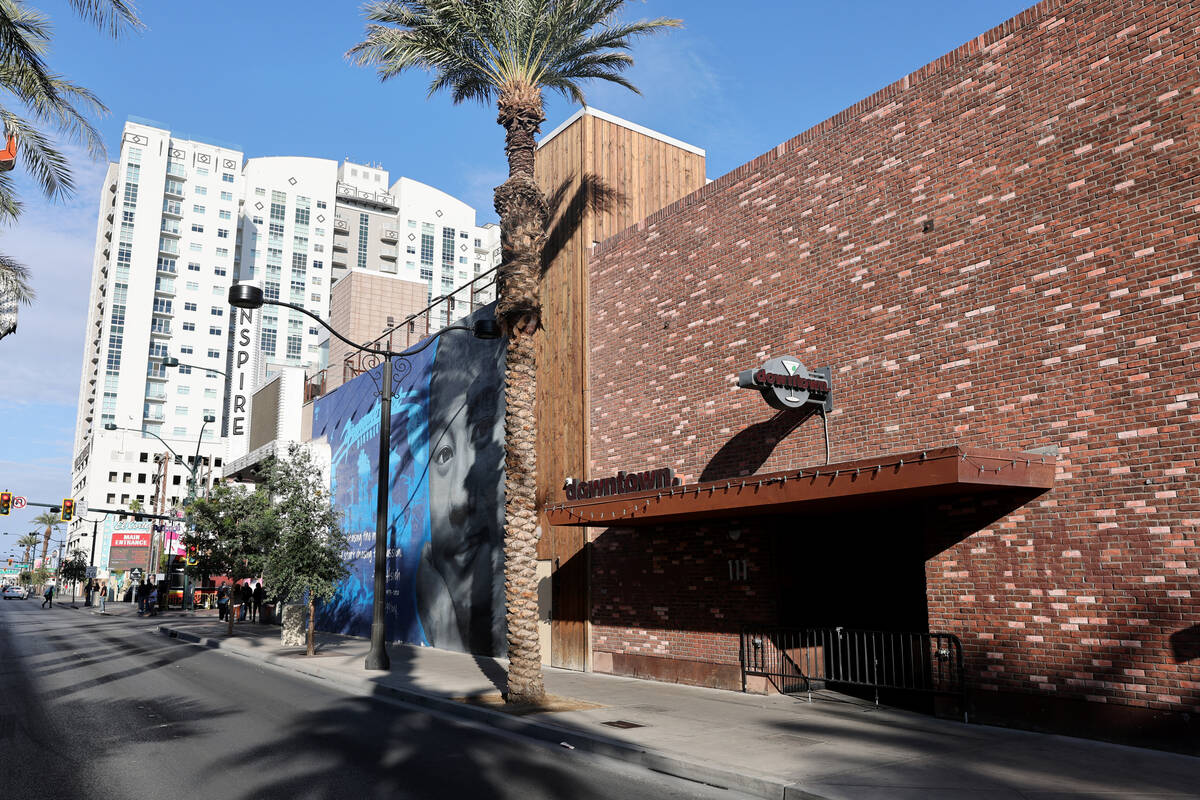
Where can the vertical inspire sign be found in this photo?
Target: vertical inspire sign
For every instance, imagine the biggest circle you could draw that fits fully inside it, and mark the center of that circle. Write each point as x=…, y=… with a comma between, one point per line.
x=241, y=383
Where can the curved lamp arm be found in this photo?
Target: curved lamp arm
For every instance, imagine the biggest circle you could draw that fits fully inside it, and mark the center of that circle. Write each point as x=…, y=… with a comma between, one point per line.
x=364, y=348
x=155, y=435
x=175, y=362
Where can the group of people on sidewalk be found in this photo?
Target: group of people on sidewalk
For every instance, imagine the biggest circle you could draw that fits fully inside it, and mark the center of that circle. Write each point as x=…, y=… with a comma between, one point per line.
x=249, y=598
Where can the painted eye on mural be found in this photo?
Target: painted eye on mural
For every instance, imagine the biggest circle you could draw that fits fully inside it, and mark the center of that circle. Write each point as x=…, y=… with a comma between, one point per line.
x=481, y=432
x=443, y=455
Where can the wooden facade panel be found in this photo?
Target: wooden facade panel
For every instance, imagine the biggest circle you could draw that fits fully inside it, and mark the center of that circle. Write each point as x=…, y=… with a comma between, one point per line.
x=649, y=174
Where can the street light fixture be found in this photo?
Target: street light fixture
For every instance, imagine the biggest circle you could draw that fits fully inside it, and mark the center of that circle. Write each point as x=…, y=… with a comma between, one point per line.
x=248, y=296
x=172, y=361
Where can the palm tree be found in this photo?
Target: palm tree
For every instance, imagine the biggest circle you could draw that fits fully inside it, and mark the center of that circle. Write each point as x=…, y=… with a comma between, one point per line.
x=510, y=51
x=37, y=98
x=51, y=521
x=28, y=541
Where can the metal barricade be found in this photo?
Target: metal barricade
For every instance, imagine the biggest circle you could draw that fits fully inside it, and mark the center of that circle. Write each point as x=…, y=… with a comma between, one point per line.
x=793, y=659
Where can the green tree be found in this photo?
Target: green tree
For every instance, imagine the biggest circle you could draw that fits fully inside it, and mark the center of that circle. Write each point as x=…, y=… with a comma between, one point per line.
x=232, y=529
x=40, y=577
x=510, y=52
x=50, y=520
x=39, y=99
x=306, y=561
x=74, y=570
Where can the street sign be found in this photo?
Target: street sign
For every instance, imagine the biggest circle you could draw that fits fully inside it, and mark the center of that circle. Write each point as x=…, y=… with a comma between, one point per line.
x=136, y=573
x=19, y=502
x=91, y=572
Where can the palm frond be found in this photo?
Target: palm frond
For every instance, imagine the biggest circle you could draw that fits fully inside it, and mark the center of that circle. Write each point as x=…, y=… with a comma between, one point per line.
x=476, y=49
x=55, y=101
x=15, y=281
x=41, y=158
x=112, y=16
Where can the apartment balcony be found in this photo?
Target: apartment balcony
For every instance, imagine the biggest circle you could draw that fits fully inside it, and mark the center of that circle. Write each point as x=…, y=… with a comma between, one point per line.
x=177, y=171
x=160, y=326
x=153, y=414
x=171, y=208
x=156, y=393
x=164, y=286
x=339, y=260
x=167, y=267
x=341, y=226
x=380, y=199
x=153, y=375
x=339, y=246
x=109, y=215
x=170, y=227
x=389, y=235
x=173, y=189
x=168, y=247
x=387, y=254
x=108, y=234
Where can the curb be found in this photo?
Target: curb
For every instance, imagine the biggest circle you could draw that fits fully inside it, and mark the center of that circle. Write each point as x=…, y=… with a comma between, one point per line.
x=538, y=730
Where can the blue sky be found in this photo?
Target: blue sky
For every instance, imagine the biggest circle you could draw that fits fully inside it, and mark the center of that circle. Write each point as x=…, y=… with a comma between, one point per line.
x=270, y=77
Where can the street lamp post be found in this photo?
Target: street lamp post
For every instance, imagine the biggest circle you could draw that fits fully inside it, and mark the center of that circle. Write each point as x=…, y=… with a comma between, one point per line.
x=109, y=426
x=244, y=295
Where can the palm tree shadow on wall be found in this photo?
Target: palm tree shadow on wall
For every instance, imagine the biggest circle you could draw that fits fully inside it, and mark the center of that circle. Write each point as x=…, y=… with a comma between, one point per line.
x=750, y=447
x=592, y=194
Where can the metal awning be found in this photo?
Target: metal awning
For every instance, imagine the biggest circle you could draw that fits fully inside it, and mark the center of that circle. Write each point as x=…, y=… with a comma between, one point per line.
x=936, y=473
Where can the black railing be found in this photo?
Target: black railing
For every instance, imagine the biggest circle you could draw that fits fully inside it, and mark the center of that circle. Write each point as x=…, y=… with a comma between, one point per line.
x=796, y=659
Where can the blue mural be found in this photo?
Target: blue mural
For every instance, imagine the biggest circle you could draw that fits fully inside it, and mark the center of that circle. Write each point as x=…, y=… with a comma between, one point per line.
x=445, y=526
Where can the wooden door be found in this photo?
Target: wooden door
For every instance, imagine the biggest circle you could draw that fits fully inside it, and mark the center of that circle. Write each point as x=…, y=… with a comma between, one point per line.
x=569, y=599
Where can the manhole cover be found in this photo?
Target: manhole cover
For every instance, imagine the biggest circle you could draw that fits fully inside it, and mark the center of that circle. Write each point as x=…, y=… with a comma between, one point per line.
x=620, y=723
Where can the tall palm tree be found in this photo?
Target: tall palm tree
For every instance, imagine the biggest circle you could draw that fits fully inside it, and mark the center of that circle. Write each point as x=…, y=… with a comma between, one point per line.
x=34, y=98
x=28, y=541
x=51, y=521
x=510, y=52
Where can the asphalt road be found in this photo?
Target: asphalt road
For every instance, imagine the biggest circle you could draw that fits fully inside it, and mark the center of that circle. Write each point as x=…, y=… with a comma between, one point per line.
x=94, y=706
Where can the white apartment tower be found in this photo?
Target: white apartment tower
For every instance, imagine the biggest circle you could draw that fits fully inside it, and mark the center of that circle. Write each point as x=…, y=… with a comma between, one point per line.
x=162, y=268
x=180, y=222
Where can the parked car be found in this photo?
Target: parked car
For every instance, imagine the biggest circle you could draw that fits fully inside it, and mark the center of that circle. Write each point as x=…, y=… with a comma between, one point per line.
x=15, y=592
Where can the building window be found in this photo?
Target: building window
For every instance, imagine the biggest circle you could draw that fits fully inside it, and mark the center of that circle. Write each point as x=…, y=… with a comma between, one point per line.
x=197, y=227
x=189, y=326
x=197, y=209
x=217, y=311
x=199, y=190
x=227, y=196
x=427, y=249
x=221, y=271
x=189, y=306
x=194, y=266
x=364, y=222
x=223, y=214
x=320, y=204
x=222, y=233
x=215, y=331
x=227, y=177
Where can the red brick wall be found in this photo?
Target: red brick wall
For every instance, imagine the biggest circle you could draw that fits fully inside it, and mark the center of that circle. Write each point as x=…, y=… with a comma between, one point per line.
x=1053, y=301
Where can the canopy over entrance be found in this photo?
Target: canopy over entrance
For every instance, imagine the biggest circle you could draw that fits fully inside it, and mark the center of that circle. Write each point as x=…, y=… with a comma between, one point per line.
x=936, y=473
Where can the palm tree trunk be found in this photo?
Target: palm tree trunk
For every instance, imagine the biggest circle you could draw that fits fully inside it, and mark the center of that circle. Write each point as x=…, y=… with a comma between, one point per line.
x=45, y=545
x=523, y=217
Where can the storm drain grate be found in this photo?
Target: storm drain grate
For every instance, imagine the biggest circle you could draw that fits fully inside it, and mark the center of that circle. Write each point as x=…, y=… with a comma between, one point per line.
x=620, y=723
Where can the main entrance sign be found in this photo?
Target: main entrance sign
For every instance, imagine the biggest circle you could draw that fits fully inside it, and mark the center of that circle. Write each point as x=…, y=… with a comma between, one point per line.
x=785, y=384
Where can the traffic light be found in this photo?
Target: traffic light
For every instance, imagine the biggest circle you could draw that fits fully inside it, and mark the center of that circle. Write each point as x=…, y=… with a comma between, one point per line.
x=5, y=503
x=192, y=558
x=68, y=510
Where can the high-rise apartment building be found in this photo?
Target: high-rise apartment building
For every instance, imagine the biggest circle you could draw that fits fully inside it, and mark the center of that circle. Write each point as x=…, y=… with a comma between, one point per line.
x=182, y=220
x=162, y=269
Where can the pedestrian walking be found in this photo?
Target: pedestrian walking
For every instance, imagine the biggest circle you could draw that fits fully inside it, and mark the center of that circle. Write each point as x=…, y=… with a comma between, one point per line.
x=103, y=590
x=259, y=594
x=48, y=596
x=247, y=599
x=222, y=602
x=152, y=600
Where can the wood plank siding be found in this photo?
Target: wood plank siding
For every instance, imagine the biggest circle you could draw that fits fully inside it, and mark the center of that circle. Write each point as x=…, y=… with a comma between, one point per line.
x=649, y=171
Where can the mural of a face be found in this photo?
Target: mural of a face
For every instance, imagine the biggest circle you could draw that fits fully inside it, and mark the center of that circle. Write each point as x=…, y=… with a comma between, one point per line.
x=460, y=587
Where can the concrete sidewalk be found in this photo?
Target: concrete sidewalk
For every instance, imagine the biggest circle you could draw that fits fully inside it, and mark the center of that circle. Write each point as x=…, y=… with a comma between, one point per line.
x=776, y=746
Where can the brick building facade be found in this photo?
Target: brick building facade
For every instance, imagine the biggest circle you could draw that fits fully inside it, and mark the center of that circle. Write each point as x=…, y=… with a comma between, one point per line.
x=997, y=251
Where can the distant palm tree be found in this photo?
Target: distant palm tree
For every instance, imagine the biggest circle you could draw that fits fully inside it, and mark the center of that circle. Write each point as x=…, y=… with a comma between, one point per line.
x=510, y=51
x=50, y=520
x=44, y=98
x=28, y=541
